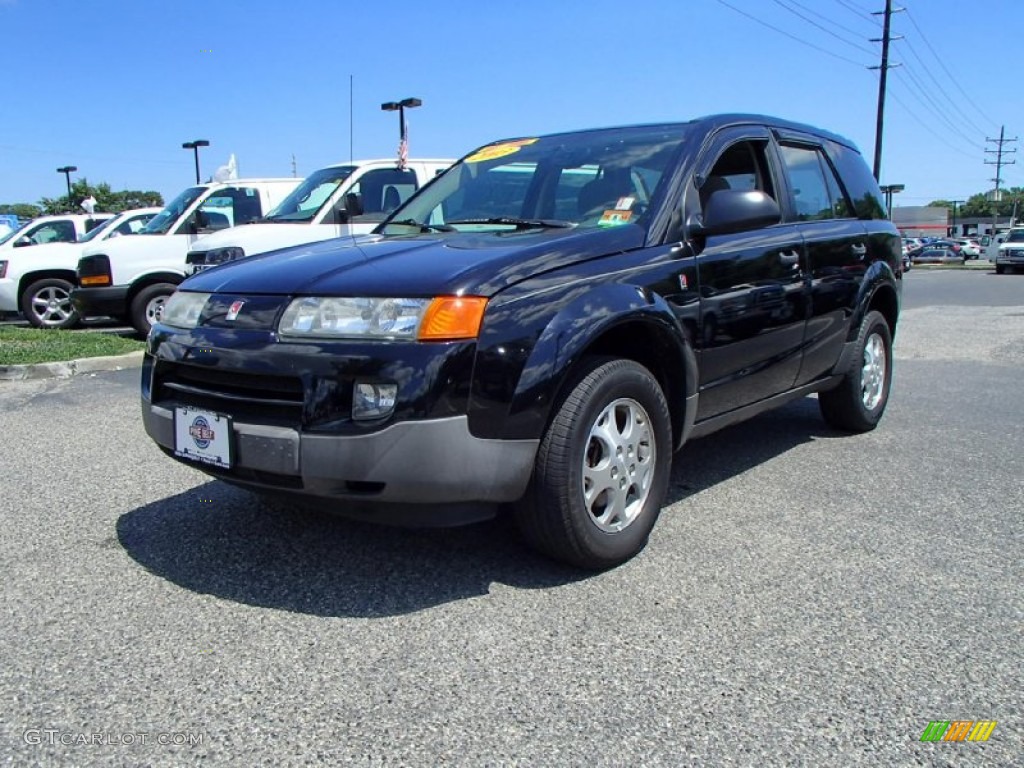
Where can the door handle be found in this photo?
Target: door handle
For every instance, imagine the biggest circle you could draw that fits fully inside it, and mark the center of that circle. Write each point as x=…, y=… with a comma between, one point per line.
x=859, y=250
x=789, y=258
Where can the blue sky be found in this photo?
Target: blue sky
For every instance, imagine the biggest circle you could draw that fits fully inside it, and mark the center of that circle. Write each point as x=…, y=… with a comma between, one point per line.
x=115, y=86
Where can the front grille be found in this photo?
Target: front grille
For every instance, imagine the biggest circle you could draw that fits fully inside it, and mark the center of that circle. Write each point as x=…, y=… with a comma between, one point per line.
x=270, y=398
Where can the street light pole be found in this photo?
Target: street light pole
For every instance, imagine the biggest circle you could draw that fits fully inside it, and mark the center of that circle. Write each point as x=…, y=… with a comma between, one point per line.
x=67, y=170
x=889, y=190
x=403, y=136
x=194, y=146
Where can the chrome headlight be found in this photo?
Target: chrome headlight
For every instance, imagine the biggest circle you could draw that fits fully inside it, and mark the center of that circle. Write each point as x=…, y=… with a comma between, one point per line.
x=443, y=318
x=182, y=310
x=348, y=317
x=222, y=255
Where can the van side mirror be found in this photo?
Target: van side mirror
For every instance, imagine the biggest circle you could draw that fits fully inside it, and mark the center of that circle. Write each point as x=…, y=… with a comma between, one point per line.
x=728, y=211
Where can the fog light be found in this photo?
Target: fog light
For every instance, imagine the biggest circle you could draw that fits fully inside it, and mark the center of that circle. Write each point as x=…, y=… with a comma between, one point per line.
x=373, y=401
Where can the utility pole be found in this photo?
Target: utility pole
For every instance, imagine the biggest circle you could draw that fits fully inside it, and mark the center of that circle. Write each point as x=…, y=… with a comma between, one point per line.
x=294, y=174
x=882, y=76
x=955, y=204
x=999, y=162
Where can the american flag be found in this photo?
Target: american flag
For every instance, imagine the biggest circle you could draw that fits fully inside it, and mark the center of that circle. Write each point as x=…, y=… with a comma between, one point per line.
x=403, y=147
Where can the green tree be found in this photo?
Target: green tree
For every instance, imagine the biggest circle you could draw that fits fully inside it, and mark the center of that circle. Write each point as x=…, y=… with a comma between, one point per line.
x=22, y=210
x=980, y=204
x=107, y=200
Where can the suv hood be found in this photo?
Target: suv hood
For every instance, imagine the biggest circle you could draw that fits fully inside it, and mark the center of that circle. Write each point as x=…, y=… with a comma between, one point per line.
x=478, y=263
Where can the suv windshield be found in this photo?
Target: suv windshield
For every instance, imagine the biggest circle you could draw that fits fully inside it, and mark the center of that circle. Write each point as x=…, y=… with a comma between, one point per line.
x=163, y=221
x=307, y=198
x=588, y=179
x=1017, y=236
x=10, y=235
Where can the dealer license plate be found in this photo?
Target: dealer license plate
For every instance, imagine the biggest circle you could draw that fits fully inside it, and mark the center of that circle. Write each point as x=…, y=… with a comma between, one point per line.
x=202, y=436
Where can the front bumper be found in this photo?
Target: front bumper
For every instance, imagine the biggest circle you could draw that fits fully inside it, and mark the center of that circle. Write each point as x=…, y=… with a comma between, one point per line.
x=109, y=301
x=1014, y=258
x=8, y=295
x=413, y=462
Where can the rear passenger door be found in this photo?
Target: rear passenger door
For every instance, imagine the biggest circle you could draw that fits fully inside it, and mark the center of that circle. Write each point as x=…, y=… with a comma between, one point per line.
x=753, y=296
x=836, y=244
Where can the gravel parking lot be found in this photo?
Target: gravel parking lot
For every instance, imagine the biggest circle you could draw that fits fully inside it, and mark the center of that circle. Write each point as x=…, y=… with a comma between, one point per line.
x=808, y=598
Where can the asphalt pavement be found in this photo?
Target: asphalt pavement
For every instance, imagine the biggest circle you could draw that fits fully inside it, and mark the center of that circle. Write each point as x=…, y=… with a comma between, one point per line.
x=807, y=598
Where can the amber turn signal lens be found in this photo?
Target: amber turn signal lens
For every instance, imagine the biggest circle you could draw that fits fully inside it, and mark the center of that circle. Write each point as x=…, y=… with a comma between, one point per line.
x=452, y=317
x=95, y=280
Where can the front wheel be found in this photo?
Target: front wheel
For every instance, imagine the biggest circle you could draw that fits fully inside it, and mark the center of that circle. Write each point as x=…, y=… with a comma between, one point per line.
x=602, y=468
x=47, y=304
x=148, y=304
x=857, y=404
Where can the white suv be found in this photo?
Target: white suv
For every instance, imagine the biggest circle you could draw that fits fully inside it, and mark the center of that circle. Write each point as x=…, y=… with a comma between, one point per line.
x=37, y=266
x=131, y=278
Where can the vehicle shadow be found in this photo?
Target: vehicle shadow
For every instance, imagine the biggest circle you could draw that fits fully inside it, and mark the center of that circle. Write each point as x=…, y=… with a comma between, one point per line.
x=219, y=540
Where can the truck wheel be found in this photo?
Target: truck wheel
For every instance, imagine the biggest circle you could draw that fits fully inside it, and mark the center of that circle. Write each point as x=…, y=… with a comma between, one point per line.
x=47, y=304
x=999, y=269
x=147, y=304
x=602, y=468
x=858, y=402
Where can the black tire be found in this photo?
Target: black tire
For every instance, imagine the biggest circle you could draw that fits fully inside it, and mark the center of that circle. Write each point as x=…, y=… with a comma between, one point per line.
x=554, y=515
x=999, y=269
x=856, y=405
x=47, y=304
x=145, y=304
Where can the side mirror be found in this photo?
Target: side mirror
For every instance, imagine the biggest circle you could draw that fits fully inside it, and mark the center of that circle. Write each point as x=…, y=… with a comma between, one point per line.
x=732, y=210
x=21, y=242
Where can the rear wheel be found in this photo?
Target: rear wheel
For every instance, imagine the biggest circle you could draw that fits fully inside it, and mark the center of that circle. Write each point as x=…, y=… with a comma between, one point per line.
x=47, y=304
x=859, y=401
x=147, y=305
x=602, y=468
x=999, y=269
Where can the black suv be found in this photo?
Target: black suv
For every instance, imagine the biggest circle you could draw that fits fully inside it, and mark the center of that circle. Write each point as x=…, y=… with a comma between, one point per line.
x=542, y=326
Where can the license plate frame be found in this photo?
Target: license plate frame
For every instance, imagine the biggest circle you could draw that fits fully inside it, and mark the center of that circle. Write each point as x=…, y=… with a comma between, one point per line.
x=204, y=436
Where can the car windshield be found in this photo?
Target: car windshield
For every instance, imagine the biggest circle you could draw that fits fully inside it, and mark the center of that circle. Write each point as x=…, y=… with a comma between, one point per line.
x=309, y=197
x=595, y=179
x=14, y=232
x=163, y=221
x=1017, y=236
x=96, y=231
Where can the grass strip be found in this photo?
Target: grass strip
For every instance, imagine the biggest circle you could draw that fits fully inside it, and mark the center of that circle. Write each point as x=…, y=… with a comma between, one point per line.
x=33, y=345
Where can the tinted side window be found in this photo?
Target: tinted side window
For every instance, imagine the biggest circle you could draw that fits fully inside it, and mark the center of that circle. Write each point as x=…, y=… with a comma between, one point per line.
x=741, y=166
x=384, y=189
x=810, y=189
x=53, y=232
x=859, y=183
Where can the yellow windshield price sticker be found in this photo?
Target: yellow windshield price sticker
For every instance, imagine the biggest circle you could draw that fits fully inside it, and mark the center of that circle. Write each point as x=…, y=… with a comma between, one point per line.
x=495, y=151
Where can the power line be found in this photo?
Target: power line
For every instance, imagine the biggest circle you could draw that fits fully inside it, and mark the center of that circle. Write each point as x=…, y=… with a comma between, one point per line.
x=858, y=12
x=938, y=85
x=824, y=29
x=791, y=37
x=826, y=19
x=944, y=69
x=921, y=93
x=928, y=128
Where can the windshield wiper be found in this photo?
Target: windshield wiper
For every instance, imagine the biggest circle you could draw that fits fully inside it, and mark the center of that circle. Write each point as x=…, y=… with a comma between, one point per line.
x=519, y=223
x=424, y=227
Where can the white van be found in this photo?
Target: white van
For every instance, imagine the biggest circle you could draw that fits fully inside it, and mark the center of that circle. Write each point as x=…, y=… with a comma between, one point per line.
x=37, y=281
x=340, y=200
x=131, y=277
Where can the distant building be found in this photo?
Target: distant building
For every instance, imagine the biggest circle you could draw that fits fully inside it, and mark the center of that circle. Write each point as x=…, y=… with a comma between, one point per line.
x=921, y=220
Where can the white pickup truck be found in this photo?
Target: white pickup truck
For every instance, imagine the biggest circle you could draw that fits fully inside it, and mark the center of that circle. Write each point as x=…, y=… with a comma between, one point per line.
x=1010, y=255
x=37, y=281
x=336, y=201
x=130, y=278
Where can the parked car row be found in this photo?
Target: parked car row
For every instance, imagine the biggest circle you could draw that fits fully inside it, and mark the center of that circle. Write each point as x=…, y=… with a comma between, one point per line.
x=76, y=270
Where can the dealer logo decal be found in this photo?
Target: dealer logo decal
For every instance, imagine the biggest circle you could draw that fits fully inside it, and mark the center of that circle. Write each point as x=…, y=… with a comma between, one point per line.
x=201, y=432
